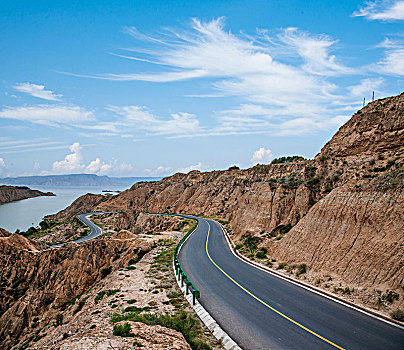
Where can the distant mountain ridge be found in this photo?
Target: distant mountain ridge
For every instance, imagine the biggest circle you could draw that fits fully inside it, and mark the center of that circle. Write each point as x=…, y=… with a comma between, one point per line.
x=74, y=180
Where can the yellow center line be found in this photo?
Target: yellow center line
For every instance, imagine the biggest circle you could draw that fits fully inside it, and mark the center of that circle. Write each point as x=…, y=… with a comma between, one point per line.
x=263, y=302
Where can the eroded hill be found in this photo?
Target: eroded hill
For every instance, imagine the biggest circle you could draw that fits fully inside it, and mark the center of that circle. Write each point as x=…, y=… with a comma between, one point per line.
x=341, y=213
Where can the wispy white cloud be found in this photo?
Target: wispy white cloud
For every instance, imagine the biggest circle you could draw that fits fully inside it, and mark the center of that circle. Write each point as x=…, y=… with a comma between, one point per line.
x=307, y=126
x=28, y=145
x=366, y=87
x=284, y=81
x=139, y=118
x=262, y=155
x=315, y=51
x=244, y=64
x=37, y=91
x=385, y=10
x=6, y=141
x=393, y=61
x=50, y=115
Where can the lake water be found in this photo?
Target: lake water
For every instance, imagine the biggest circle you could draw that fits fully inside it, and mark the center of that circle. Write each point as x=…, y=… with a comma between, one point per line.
x=29, y=212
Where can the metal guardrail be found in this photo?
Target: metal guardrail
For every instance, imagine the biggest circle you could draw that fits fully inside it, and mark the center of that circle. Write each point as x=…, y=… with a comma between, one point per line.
x=179, y=271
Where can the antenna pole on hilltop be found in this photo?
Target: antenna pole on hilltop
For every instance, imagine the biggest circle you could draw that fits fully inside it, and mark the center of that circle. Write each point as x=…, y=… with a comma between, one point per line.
x=373, y=96
x=364, y=100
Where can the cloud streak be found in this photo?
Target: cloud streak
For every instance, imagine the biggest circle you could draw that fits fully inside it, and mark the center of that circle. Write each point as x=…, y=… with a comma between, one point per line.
x=37, y=91
x=386, y=10
x=50, y=115
x=239, y=66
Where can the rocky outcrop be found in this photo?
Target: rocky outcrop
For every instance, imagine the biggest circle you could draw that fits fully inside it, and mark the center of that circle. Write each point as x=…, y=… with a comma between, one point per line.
x=34, y=283
x=16, y=193
x=376, y=128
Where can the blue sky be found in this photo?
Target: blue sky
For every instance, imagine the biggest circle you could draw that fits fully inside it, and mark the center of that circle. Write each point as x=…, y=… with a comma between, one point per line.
x=149, y=88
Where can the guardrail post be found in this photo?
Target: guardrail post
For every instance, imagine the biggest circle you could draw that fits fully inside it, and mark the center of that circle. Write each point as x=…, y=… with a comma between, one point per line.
x=182, y=279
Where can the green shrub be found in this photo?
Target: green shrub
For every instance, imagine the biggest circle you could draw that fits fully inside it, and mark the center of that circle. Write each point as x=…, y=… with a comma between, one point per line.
x=251, y=243
x=234, y=167
x=136, y=309
x=123, y=330
x=346, y=291
x=314, y=181
x=261, y=255
x=131, y=301
x=398, y=315
x=80, y=305
x=312, y=201
x=390, y=163
x=301, y=269
x=37, y=337
x=181, y=321
x=281, y=265
x=108, y=293
x=58, y=320
x=106, y=271
x=287, y=159
x=390, y=296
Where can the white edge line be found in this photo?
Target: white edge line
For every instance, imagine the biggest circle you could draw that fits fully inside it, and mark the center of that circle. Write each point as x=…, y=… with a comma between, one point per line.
x=227, y=342
x=302, y=285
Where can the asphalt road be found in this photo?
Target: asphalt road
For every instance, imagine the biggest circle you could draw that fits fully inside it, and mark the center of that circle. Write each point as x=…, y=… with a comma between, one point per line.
x=262, y=311
x=95, y=231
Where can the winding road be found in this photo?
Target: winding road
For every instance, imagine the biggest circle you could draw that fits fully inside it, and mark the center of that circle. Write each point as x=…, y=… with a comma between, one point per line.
x=95, y=231
x=262, y=311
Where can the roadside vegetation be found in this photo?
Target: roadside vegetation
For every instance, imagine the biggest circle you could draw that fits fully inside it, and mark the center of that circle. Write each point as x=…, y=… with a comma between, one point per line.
x=287, y=159
x=162, y=277
x=181, y=321
x=45, y=228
